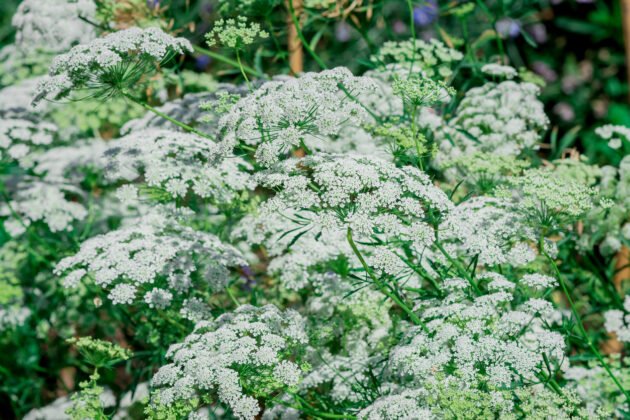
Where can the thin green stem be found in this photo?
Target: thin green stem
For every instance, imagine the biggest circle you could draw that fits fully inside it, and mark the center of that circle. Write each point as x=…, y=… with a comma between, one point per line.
x=580, y=325
x=232, y=297
x=159, y=113
x=306, y=45
x=382, y=287
x=229, y=61
x=240, y=66
x=460, y=268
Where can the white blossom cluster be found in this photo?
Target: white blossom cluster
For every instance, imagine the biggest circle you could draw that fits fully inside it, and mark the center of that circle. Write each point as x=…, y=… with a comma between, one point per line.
x=39, y=201
x=368, y=195
x=235, y=357
x=178, y=163
x=293, y=262
x=433, y=58
x=615, y=134
x=478, y=341
x=93, y=65
x=53, y=25
x=308, y=111
x=498, y=70
x=152, y=260
x=504, y=119
x=618, y=321
x=18, y=138
x=489, y=229
x=13, y=317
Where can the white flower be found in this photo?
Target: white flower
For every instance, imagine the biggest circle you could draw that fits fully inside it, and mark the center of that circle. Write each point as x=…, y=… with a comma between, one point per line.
x=178, y=163
x=153, y=252
x=53, y=25
x=89, y=65
x=37, y=201
x=127, y=194
x=499, y=70
x=281, y=116
x=227, y=357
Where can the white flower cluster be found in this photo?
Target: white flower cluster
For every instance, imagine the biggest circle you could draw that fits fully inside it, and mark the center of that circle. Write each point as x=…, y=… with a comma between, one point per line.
x=13, y=317
x=615, y=134
x=488, y=228
x=153, y=260
x=434, y=58
x=18, y=137
x=293, y=262
x=504, y=119
x=308, y=111
x=53, y=25
x=94, y=65
x=618, y=321
x=369, y=195
x=178, y=163
x=40, y=201
x=478, y=341
x=238, y=356
x=498, y=70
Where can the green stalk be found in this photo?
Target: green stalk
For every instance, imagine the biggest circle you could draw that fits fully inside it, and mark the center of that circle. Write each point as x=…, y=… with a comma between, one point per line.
x=240, y=66
x=383, y=288
x=154, y=110
x=229, y=61
x=460, y=268
x=581, y=328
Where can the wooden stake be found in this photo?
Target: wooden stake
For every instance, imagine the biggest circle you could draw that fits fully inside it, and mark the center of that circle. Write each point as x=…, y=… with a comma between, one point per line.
x=296, y=50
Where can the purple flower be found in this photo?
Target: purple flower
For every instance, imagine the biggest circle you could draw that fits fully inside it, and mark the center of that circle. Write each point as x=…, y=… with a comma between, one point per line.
x=507, y=27
x=426, y=14
x=202, y=61
x=153, y=4
x=343, y=32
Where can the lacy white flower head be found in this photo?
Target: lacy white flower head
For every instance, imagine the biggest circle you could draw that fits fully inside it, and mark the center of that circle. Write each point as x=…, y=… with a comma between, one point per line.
x=615, y=134
x=370, y=196
x=18, y=138
x=445, y=399
x=504, y=119
x=292, y=261
x=488, y=229
x=235, y=33
x=499, y=71
x=618, y=321
x=547, y=199
x=12, y=316
x=111, y=65
x=417, y=91
x=482, y=171
x=479, y=341
x=435, y=59
x=53, y=25
x=234, y=359
x=593, y=385
x=53, y=204
x=178, y=163
x=302, y=112
x=155, y=261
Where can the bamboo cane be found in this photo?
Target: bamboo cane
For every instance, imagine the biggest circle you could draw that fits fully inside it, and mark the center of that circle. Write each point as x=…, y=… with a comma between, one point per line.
x=295, y=48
